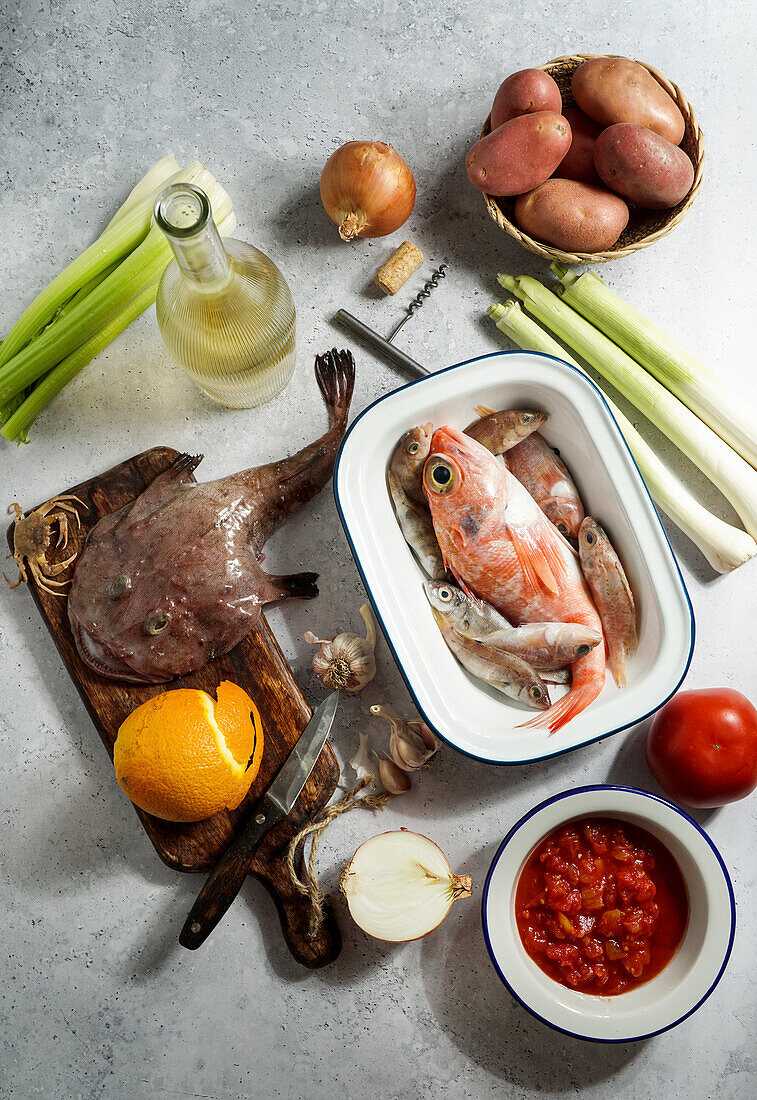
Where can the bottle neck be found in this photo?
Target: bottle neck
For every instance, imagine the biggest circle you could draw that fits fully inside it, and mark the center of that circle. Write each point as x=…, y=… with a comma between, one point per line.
x=183, y=213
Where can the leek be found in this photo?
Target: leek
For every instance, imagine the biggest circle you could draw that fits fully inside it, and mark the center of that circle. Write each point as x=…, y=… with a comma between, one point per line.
x=735, y=478
x=678, y=370
x=725, y=547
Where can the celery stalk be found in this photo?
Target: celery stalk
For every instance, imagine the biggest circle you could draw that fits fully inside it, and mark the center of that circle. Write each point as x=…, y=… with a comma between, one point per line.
x=735, y=478
x=83, y=319
x=699, y=389
x=725, y=547
x=18, y=424
x=115, y=243
x=156, y=179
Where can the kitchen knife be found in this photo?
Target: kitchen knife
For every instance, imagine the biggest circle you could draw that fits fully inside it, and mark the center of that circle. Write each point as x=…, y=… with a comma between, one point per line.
x=226, y=878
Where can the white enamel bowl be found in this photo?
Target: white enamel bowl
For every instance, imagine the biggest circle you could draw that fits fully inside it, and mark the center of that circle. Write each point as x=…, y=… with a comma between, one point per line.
x=690, y=976
x=476, y=719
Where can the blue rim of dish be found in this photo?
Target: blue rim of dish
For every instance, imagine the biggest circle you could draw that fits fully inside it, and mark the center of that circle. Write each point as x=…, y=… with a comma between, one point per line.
x=571, y=794
x=408, y=684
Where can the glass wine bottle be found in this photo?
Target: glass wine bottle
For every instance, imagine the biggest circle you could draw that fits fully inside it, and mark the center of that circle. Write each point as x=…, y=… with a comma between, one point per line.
x=224, y=310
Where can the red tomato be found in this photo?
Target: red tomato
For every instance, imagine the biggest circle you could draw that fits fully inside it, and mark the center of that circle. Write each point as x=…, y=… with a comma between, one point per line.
x=702, y=747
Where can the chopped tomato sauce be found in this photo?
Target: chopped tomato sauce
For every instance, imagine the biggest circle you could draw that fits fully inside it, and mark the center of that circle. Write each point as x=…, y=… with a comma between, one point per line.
x=601, y=906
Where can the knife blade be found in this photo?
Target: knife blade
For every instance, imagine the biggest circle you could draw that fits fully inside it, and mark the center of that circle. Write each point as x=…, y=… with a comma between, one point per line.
x=226, y=878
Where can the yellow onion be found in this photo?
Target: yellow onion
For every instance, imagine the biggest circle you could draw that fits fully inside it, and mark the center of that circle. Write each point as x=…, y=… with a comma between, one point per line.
x=367, y=189
x=399, y=886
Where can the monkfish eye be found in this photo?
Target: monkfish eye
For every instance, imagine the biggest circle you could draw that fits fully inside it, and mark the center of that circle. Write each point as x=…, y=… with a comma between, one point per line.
x=413, y=448
x=582, y=650
x=120, y=586
x=156, y=621
x=440, y=476
x=535, y=693
x=562, y=527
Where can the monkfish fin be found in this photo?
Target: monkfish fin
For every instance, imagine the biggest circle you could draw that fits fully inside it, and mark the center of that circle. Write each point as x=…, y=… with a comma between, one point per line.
x=182, y=467
x=296, y=586
x=539, y=558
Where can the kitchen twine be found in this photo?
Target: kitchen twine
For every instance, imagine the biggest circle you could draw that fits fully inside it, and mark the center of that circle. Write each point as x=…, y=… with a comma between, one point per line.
x=306, y=883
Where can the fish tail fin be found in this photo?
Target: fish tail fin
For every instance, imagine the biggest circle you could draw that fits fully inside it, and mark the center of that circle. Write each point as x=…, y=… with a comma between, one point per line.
x=484, y=410
x=182, y=467
x=587, y=684
x=335, y=373
x=617, y=665
x=539, y=558
x=296, y=586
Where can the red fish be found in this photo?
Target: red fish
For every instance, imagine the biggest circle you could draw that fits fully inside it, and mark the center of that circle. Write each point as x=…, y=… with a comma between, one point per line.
x=546, y=477
x=503, y=549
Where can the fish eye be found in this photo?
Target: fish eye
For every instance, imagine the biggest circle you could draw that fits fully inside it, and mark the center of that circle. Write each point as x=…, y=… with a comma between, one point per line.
x=413, y=448
x=527, y=418
x=439, y=476
x=445, y=594
x=120, y=586
x=582, y=650
x=562, y=528
x=535, y=693
x=590, y=538
x=156, y=621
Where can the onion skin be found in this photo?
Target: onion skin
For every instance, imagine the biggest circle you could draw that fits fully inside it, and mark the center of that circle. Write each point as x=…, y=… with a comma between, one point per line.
x=367, y=189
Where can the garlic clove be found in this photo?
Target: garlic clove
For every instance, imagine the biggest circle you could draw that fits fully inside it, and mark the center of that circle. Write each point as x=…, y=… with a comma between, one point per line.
x=393, y=778
x=364, y=762
x=411, y=748
x=399, y=886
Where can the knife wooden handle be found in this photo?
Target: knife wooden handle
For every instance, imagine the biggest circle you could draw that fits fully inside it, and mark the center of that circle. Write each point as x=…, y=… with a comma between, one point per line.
x=225, y=880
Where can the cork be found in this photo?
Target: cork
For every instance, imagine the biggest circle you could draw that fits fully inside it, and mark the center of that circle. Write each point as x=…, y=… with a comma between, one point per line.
x=398, y=268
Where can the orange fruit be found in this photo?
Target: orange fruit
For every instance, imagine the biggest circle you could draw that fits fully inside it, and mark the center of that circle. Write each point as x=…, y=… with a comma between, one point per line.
x=182, y=756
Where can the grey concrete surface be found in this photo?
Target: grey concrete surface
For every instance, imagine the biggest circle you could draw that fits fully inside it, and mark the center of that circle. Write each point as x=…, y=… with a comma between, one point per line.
x=96, y=996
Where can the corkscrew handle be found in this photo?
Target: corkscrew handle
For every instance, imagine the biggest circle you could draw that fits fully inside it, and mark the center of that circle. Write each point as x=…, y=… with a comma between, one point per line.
x=404, y=362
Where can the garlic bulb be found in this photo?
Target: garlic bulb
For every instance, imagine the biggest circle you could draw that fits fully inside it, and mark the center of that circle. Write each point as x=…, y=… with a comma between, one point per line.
x=411, y=742
x=346, y=662
x=399, y=886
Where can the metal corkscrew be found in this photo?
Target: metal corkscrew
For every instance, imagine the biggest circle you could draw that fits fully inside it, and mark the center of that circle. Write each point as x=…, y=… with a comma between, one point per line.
x=385, y=346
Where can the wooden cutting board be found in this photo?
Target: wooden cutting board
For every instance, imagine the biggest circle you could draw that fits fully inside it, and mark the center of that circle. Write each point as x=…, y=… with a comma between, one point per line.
x=256, y=664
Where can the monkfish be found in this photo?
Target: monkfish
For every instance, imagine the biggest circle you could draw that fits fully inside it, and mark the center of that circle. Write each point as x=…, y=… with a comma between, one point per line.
x=169, y=581
x=503, y=549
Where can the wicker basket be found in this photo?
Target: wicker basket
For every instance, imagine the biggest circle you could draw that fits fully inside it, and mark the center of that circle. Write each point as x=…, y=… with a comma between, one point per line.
x=644, y=226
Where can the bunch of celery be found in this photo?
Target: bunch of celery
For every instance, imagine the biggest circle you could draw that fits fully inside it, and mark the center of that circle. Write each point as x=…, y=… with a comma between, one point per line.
x=665, y=384
x=95, y=298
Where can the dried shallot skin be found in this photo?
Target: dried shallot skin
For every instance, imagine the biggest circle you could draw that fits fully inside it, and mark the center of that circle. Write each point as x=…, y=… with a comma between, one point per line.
x=191, y=554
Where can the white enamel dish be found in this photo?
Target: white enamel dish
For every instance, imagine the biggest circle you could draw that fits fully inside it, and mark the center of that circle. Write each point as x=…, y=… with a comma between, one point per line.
x=472, y=717
x=690, y=976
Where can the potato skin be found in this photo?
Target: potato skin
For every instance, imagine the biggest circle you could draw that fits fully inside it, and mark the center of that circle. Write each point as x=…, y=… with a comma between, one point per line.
x=642, y=166
x=523, y=93
x=573, y=216
x=520, y=154
x=615, y=89
x=578, y=162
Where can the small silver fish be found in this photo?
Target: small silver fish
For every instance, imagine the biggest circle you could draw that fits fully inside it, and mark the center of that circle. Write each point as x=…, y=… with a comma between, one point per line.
x=612, y=594
x=546, y=477
x=545, y=646
x=417, y=529
x=505, y=671
x=499, y=431
x=407, y=461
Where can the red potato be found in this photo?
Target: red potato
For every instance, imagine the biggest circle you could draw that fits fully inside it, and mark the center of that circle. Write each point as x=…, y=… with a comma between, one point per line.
x=615, y=89
x=578, y=162
x=520, y=154
x=523, y=93
x=573, y=216
x=642, y=166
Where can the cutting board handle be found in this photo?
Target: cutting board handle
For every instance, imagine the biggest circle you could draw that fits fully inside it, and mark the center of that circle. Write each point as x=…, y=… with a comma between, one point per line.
x=296, y=912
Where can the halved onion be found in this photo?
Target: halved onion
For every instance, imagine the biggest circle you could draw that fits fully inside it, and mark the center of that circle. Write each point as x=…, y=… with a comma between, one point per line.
x=399, y=886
